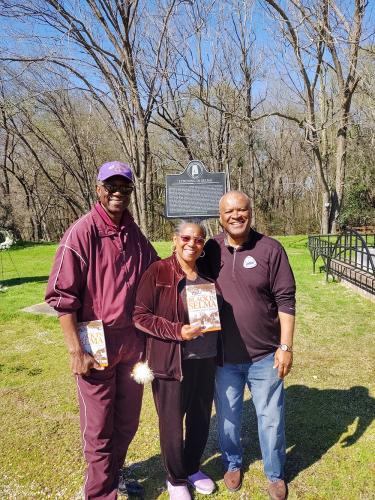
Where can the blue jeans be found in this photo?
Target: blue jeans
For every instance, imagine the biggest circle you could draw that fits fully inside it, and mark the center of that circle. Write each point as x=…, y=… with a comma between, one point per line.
x=267, y=391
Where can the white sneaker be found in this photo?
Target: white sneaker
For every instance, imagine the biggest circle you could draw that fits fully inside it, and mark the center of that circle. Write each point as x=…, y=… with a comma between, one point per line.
x=180, y=492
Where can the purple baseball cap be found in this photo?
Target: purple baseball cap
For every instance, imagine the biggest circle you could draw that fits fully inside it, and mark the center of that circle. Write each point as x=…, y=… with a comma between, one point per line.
x=112, y=168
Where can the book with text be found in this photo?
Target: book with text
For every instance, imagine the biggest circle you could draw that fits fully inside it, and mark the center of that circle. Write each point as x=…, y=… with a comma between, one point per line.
x=202, y=306
x=91, y=334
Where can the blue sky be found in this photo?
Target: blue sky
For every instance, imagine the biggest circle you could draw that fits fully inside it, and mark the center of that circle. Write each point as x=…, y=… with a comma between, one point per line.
x=261, y=25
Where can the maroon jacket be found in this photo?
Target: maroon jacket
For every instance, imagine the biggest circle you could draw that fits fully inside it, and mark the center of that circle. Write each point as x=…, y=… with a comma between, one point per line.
x=159, y=312
x=96, y=271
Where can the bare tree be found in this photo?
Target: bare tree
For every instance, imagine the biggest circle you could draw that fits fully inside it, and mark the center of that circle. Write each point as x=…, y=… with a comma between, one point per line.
x=322, y=36
x=121, y=45
x=52, y=143
x=173, y=80
x=239, y=50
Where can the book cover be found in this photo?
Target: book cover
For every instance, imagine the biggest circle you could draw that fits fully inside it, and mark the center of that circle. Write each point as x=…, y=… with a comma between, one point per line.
x=202, y=306
x=91, y=334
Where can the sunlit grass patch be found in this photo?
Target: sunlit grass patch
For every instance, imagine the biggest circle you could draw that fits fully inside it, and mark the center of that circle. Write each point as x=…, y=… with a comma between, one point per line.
x=330, y=396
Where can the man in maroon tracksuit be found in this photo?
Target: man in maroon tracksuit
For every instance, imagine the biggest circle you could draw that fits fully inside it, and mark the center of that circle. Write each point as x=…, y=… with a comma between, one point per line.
x=96, y=270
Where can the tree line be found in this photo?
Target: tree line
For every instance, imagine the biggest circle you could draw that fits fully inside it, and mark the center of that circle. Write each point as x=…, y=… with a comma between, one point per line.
x=278, y=95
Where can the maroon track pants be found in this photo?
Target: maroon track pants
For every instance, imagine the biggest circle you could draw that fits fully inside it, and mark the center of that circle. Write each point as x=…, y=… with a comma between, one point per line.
x=110, y=404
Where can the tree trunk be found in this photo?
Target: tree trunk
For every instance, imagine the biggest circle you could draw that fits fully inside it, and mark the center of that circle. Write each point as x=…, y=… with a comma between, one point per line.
x=341, y=154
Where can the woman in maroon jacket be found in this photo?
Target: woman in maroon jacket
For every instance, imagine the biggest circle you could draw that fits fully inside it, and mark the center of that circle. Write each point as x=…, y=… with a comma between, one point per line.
x=183, y=361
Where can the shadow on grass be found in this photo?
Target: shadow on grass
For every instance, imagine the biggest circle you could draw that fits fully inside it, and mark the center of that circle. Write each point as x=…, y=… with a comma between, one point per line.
x=25, y=279
x=315, y=421
x=152, y=476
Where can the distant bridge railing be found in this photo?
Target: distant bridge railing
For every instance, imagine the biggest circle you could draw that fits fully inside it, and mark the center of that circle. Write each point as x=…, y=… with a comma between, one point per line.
x=356, y=250
x=321, y=245
x=349, y=255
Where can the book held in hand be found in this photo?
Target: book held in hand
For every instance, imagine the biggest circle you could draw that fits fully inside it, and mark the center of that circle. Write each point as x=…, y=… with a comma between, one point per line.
x=202, y=306
x=91, y=334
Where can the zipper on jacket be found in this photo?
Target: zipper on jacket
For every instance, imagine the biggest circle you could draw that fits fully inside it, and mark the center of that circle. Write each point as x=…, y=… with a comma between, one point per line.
x=179, y=344
x=234, y=261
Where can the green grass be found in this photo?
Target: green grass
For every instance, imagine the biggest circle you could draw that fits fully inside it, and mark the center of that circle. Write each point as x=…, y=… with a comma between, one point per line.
x=330, y=396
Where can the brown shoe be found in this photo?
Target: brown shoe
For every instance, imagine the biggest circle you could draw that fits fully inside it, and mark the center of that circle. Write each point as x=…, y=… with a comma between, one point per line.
x=277, y=490
x=233, y=480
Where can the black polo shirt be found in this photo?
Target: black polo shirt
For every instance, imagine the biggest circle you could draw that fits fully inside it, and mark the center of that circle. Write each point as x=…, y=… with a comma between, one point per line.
x=256, y=282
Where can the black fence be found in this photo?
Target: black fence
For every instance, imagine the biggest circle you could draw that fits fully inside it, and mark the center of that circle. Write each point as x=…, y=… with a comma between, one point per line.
x=349, y=256
x=321, y=246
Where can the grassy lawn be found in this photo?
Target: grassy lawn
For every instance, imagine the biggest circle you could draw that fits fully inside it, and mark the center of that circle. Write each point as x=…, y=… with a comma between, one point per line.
x=330, y=396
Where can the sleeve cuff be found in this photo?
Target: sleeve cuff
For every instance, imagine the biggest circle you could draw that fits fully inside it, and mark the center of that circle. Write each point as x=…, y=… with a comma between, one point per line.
x=287, y=310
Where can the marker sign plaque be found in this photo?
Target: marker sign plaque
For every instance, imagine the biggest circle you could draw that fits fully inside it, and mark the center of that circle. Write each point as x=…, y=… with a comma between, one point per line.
x=194, y=193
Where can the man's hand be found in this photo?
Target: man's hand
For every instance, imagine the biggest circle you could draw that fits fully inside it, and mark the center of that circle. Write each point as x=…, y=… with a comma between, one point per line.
x=283, y=362
x=82, y=362
x=190, y=332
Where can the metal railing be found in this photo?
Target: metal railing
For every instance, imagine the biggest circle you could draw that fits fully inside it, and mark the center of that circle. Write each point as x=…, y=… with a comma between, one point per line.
x=350, y=256
x=356, y=250
x=321, y=245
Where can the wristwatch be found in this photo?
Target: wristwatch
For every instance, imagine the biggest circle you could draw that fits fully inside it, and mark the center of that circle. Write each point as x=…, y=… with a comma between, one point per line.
x=285, y=347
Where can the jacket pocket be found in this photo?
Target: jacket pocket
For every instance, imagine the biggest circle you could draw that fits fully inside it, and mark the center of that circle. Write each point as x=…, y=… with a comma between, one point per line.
x=164, y=358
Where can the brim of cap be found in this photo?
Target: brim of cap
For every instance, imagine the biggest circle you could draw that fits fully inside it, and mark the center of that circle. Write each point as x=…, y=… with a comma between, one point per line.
x=128, y=176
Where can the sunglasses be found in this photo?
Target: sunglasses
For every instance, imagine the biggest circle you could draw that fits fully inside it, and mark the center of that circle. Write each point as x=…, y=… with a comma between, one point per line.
x=114, y=188
x=199, y=240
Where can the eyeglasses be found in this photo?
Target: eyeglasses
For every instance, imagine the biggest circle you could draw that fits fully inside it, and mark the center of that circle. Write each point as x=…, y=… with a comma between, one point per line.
x=114, y=188
x=185, y=238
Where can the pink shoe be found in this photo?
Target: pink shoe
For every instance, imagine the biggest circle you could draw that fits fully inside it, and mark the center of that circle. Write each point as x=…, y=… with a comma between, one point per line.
x=179, y=492
x=202, y=483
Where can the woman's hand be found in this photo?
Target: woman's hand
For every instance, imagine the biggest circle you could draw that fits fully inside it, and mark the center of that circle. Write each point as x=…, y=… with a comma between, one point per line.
x=190, y=332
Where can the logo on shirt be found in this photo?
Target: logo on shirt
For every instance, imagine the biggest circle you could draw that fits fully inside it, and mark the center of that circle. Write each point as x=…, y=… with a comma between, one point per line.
x=249, y=262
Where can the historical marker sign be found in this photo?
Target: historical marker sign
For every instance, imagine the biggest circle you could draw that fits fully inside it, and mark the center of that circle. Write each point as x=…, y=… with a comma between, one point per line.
x=194, y=193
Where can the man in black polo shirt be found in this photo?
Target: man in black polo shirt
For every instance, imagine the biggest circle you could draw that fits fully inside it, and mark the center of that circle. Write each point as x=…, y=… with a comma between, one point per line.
x=257, y=325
